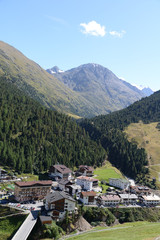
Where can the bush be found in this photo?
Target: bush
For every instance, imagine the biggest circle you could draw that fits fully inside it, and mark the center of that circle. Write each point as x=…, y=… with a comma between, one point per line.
x=52, y=231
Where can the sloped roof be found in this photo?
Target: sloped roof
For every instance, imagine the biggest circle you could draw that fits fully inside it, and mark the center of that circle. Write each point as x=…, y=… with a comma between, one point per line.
x=32, y=183
x=151, y=197
x=45, y=218
x=64, y=182
x=62, y=168
x=90, y=179
x=89, y=168
x=128, y=196
x=58, y=195
x=110, y=197
x=89, y=194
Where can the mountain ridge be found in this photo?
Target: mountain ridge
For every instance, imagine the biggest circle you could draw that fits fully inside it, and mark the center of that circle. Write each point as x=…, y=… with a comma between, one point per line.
x=86, y=91
x=39, y=84
x=100, y=85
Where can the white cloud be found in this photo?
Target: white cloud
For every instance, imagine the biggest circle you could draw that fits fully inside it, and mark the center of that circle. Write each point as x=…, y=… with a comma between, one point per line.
x=117, y=34
x=93, y=28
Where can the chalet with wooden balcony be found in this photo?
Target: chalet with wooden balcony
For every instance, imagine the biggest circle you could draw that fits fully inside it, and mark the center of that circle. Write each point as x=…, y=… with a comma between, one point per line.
x=57, y=203
x=60, y=172
x=85, y=170
x=88, y=198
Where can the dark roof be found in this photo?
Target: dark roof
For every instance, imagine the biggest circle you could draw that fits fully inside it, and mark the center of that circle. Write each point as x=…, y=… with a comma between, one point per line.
x=89, y=168
x=45, y=218
x=62, y=169
x=32, y=183
x=55, y=196
x=64, y=182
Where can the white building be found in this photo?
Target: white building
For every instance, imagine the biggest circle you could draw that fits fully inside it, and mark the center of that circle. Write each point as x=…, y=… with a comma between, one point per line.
x=109, y=200
x=88, y=198
x=151, y=199
x=74, y=189
x=128, y=198
x=119, y=183
x=87, y=183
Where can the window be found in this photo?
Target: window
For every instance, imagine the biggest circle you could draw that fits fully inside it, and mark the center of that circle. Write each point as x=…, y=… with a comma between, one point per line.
x=52, y=206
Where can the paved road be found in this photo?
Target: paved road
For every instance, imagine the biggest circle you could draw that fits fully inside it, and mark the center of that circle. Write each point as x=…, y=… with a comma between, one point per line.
x=157, y=238
x=92, y=231
x=27, y=226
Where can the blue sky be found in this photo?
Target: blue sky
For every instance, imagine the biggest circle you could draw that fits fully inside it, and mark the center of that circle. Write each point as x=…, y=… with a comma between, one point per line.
x=122, y=35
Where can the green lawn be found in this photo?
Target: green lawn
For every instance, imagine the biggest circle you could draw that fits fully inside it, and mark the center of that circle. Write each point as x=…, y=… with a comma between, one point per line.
x=133, y=231
x=106, y=172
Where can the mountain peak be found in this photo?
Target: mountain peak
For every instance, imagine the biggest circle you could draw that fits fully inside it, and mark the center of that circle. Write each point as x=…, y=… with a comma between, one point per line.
x=146, y=90
x=54, y=70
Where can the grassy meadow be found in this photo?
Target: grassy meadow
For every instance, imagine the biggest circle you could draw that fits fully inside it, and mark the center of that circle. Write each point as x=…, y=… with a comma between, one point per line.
x=105, y=172
x=148, y=137
x=127, y=231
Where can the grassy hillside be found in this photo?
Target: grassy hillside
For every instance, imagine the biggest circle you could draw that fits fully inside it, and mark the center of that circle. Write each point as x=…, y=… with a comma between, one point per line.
x=148, y=137
x=132, y=231
x=39, y=84
x=107, y=171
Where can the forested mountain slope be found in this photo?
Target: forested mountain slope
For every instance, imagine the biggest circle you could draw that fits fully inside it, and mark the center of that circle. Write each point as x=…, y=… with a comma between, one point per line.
x=108, y=129
x=33, y=137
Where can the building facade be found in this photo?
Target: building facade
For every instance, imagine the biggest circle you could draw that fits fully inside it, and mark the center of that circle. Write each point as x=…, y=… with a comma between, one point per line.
x=35, y=190
x=87, y=183
x=128, y=198
x=119, y=183
x=57, y=203
x=109, y=200
x=88, y=198
x=150, y=200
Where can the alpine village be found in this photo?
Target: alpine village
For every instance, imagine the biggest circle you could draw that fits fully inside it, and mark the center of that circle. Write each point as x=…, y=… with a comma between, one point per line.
x=79, y=152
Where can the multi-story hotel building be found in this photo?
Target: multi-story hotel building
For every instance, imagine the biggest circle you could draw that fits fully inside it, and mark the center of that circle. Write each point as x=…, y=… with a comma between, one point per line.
x=35, y=190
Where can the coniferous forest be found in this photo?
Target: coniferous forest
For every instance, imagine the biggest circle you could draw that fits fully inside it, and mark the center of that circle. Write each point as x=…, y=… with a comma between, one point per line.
x=108, y=130
x=32, y=137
